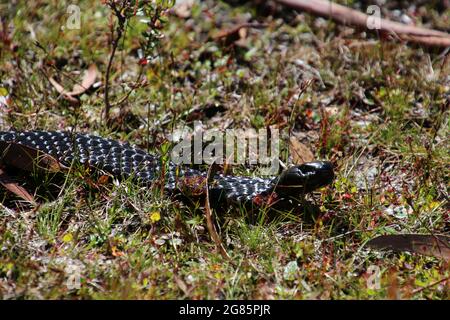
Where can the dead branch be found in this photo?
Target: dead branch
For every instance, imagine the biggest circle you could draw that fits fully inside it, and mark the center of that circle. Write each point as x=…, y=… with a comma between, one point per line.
x=347, y=16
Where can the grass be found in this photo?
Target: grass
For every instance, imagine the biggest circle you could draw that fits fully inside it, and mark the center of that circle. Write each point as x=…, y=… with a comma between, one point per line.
x=377, y=110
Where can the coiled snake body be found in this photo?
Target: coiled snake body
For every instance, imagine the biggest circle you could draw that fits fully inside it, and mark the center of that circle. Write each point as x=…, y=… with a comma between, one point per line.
x=124, y=161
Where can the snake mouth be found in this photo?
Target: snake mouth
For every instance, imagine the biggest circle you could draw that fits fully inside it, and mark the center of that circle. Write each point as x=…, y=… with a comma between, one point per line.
x=305, y=178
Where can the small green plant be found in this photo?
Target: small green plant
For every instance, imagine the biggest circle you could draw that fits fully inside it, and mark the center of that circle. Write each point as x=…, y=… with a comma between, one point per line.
x=152, y=14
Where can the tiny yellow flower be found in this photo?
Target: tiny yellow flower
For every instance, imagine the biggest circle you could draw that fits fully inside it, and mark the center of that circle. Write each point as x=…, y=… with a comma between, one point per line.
x=68, y=237
x=155, y=216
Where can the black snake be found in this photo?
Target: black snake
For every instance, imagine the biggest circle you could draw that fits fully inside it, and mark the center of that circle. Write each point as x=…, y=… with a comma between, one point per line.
x=123, y=161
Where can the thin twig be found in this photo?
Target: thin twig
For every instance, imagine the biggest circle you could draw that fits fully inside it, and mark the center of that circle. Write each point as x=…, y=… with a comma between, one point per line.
x=108, y=71
x=431, y=285
x=347, y=16
x=121, y=19
x=209, y=220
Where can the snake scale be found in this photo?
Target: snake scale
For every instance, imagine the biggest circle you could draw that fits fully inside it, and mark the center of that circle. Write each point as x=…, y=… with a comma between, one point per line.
x=124, y=161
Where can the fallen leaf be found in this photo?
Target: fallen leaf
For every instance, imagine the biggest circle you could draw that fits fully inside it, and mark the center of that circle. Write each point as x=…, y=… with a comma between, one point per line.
x=28, y=158
x=429, y=245
x=88, y=80
x=13, y=187
x=61, y=90
x=300, y=153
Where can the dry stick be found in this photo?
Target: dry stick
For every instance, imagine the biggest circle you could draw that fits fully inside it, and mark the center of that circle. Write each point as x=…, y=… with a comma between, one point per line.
x=431, y=285
x=108, y=71
x=209, y=220
x=125, y=97
x=355, y=18
x=121, y=20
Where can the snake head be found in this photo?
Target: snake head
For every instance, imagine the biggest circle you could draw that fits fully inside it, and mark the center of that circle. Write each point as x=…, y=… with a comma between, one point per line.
x=304, y=178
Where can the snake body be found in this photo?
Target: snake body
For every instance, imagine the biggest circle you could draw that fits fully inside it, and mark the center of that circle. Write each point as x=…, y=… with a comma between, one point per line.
x=124, y=161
